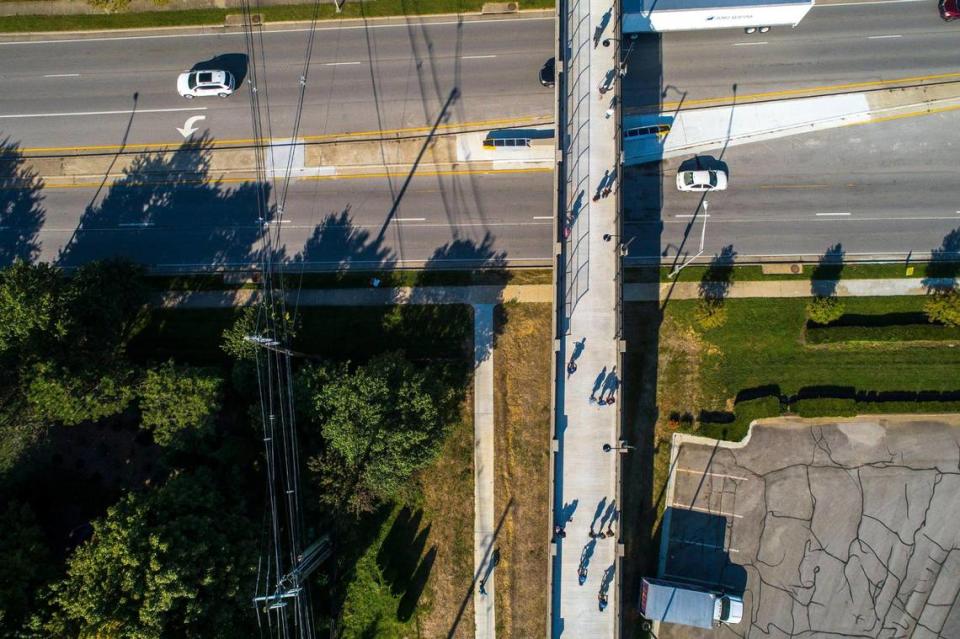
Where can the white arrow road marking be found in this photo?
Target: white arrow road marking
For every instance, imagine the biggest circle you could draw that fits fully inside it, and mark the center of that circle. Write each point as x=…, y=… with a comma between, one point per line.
x=188, y=128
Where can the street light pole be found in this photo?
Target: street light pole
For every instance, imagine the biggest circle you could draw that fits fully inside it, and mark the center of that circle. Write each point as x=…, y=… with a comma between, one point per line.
x=703, y=235
x=621, y=447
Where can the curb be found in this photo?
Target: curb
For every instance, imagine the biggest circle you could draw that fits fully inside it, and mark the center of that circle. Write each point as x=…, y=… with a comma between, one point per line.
x=218, y=29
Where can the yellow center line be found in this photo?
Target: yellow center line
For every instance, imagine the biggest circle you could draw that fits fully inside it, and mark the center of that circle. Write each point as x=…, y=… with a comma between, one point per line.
x=355, y=176
x=832, y=88
x=532, y=119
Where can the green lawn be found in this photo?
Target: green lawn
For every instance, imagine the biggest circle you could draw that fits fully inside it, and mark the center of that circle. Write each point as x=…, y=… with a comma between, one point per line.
x=196, y=17
x=753, y=272
x=760, y=354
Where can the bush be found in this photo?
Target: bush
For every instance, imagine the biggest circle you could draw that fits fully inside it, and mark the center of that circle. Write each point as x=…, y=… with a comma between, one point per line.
x=838, y=334
x=824, y=310
x=711, y=313
x=944, y=307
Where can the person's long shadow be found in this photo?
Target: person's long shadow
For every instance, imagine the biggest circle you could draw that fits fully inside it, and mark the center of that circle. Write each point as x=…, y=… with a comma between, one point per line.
x=167, y=211
x=477, y=576
x=21, y=211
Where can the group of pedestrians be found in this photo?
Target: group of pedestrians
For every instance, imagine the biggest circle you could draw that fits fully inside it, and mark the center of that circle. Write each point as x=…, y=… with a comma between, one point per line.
x=606, y=383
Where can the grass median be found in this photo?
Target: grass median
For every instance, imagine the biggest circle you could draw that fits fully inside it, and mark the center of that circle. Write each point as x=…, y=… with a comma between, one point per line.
x=521, y=450
x=216, y=17
x=754, y=272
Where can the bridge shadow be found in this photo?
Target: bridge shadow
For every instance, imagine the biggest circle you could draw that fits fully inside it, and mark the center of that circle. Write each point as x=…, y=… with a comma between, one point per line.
x=642, y=225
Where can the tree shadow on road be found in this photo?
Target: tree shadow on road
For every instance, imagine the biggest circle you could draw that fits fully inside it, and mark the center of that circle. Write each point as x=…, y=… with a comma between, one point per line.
x=167, y=211
x=336, y=244
x=21, y=213
x=826, y=274
x=944, y=263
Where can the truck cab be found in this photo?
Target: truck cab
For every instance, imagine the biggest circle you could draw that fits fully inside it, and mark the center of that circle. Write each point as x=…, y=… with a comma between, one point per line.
x=728, y=609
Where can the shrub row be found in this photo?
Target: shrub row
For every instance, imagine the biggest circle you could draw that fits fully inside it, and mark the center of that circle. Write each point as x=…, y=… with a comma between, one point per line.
x=823, y=402
x=894, y=329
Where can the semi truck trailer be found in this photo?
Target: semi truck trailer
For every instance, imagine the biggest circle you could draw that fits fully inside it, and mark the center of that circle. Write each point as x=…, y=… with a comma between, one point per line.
x=644, y=16
x=672, y=602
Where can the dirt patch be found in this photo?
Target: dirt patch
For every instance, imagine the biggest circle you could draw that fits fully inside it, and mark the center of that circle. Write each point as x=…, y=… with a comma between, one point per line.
x=448, y=508
x=522, y=422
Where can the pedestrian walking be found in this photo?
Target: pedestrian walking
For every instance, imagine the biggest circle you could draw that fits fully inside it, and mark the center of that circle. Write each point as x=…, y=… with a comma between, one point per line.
x=571, y=368
x=483, y=587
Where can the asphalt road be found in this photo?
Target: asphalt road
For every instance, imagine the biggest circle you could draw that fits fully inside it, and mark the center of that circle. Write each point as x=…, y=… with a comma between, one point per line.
x=451, y=220
x=88, y=91
x=876, y=189
x=835, y=44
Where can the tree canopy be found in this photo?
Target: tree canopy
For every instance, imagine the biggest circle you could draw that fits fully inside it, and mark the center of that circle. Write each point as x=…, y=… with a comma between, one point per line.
x=380, y=423
x=175, y=400
x=174, y=561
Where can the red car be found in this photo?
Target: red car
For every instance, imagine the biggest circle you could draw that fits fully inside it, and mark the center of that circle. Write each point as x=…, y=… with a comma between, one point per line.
x=950, y=9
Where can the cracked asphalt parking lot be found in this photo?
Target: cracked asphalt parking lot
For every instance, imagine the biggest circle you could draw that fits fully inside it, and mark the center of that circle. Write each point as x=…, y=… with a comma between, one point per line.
x=829, y=528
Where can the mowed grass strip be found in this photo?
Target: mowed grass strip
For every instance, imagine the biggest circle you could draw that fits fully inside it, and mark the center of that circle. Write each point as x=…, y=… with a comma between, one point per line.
x=521, y=362
x=754, y=272
x=286, y=13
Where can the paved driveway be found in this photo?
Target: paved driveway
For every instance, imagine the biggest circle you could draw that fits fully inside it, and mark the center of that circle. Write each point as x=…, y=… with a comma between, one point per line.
x=829, y=529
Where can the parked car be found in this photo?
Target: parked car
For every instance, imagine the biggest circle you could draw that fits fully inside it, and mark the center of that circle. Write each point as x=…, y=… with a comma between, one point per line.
x=701, y=180
x=548, y=73
x=949, y=10
x=199, y=84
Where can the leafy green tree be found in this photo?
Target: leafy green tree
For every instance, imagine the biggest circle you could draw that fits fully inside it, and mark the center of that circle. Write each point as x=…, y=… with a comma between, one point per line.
x=25, y=564
x=59, y=395
x=179, y=399
x=29, y=296
x=824, y=309
x=380, y=423
x=235, y=342
x=944, y=307
x=175, y=561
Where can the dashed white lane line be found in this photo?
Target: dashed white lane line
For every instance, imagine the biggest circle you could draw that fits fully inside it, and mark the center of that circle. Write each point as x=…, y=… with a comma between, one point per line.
x=689, y=215
x=700, y=472
x=478, y=57
x=341, y=64
x=62, y=75
x=410, y=219
x=749, y=44
x=883, y=37
x=78, y=113
x=550, y=217
x=139, y=225
x=839, y=214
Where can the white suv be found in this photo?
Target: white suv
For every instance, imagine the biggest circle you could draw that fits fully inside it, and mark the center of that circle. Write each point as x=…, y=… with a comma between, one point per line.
x=199, y=84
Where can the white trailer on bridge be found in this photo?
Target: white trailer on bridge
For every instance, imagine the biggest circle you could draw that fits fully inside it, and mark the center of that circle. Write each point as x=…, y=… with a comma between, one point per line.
x=645, y=16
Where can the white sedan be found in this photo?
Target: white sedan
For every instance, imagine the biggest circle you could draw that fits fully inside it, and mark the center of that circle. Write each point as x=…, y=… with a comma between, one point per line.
x=701, y=180
x=199, y=84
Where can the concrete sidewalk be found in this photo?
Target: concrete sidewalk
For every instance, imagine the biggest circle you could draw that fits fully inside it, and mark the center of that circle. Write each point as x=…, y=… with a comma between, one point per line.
x=584, y=566
x=649, y=292
x=484, y=532
x=533, y=293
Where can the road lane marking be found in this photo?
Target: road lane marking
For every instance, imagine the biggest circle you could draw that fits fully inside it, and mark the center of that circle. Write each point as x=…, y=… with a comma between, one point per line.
x=410, y=219
x=826, y=88
x=340, y=64
x=220, y=34
x=749, y=44
x=701, y=472
x=78, y=113
x=883, y=37
x=689, y=215
x=240, y=180
x=530, y=120
x=842, y=213
x=478, y=57
x=550, y=217
x=702, y=544
x=701, y=509
x=135, y=224
x=62, y=75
